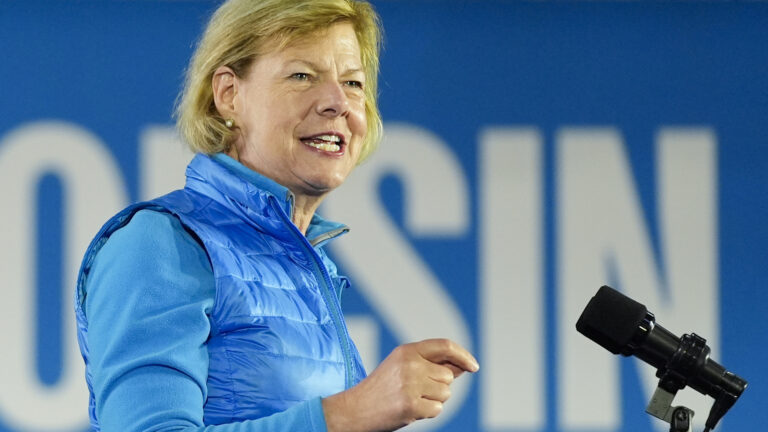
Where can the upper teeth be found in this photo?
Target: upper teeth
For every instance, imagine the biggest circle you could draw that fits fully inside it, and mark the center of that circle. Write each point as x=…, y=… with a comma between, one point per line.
x=328, y=143
x=332, y=138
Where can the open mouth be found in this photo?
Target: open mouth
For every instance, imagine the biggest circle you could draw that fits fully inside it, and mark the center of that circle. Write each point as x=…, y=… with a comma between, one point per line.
x=327, y=142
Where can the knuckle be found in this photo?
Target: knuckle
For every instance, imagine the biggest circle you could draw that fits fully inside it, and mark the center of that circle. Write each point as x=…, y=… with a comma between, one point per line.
x=445, y=344
x=447, y=376
x=446, y=394
x=402, y=352
x=435, y=409
x=398, y=351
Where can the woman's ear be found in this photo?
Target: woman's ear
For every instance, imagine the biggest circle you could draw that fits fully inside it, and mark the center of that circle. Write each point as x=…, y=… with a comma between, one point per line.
x=224, y=84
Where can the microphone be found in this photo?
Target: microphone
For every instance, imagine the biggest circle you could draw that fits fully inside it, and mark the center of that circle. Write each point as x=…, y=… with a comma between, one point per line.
x=624, y=326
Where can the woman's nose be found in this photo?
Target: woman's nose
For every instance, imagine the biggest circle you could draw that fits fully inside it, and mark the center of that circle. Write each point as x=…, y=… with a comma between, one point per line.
x=332, y=100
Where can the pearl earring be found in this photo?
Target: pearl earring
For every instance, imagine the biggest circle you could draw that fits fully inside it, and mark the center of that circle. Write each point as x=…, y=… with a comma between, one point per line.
x=229, y=123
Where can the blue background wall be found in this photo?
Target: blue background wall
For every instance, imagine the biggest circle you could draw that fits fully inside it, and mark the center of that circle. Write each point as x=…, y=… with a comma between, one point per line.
x=534, y=151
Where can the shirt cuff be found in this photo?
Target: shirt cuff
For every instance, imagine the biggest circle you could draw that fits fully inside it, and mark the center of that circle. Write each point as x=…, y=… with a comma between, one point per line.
x=316, y=415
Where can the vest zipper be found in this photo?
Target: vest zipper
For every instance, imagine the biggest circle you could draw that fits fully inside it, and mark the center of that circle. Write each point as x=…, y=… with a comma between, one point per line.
x=325, y=290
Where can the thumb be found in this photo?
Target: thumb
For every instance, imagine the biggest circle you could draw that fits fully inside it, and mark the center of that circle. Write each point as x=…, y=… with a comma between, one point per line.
x=455, y=369
x=448, y=353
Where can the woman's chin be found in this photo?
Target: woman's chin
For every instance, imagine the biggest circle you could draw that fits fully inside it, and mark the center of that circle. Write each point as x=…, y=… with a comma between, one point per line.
x=319, y=186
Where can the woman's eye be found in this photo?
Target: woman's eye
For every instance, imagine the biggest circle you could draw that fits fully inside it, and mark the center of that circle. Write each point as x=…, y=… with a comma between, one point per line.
x=355, y=84
x=301, y=76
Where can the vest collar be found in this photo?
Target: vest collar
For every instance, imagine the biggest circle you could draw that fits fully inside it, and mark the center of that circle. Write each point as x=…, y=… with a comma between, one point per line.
x=232, y=179
x=283, y=194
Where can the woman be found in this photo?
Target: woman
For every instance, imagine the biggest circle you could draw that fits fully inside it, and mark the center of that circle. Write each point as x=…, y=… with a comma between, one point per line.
x=216, y=305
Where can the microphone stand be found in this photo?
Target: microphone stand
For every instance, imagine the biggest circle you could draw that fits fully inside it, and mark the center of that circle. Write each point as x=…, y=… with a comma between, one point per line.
x=680, y=418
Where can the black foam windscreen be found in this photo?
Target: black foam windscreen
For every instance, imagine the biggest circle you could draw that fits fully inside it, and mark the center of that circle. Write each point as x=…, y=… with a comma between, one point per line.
x=611, y=319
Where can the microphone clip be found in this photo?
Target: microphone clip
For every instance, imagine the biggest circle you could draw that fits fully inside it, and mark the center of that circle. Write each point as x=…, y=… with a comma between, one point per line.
x=684, y=364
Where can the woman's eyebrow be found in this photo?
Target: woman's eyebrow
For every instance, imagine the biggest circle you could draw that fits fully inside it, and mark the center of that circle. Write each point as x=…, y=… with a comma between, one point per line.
x=305, y=63
x=353, y=70
x=316, y=67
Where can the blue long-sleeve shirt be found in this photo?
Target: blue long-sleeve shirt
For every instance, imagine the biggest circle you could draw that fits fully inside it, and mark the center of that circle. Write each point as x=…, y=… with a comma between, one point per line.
x=150, y=291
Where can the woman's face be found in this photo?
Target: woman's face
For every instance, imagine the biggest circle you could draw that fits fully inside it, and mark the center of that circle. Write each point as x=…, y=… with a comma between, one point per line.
x=301, y=112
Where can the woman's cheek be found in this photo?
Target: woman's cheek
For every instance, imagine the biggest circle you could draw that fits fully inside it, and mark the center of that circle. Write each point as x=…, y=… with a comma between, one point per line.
x=358, y=120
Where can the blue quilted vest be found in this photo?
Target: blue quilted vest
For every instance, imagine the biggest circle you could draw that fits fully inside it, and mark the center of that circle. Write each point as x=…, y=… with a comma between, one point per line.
x=277, y=332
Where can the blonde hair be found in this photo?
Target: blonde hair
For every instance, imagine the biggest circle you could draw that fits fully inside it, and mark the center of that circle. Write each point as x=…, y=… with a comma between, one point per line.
x=240, y=30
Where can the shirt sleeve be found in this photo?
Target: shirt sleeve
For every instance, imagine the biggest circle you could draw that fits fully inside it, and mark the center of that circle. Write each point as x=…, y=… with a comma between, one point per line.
x=149, y=295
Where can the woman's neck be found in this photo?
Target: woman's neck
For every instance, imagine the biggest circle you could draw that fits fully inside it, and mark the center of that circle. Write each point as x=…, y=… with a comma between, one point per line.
x=305, y=203
x=304, y=208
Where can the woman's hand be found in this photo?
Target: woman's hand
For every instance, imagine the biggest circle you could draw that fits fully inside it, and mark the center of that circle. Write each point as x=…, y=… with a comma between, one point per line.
x=412, y=383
